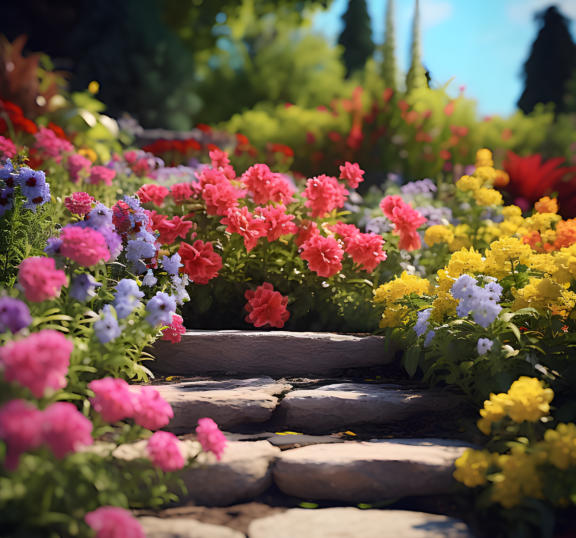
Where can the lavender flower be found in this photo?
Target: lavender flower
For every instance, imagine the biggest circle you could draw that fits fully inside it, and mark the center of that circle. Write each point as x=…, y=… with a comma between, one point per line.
x=137, y=251
x=14, y=315
x=171, y=264
x=99, y=217
x=423, y=187
x=113, y=241
x=83, y=287
x=179, y=289
x=484, y=345
x=160, y=309
x=126, y=298
x=422, y=324
x=482, y=303
x=429, y=337
x=107, y=328
x=53, y=245
x=149, y=280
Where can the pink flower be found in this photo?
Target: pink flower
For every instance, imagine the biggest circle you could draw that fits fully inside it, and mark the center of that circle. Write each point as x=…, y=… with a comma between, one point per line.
x=324, y=194
x=66, y=429
x=210, y=437
x=406, y=221
x=266, y=307
x=267, y=186
x=345, y=230
x=151, y=411
x=38, y=362
x=79, y=203
x=114, y=522
x=50, y=145
x=366, y=250
x=352, y=173
x=244, y=223
x=306, y=230
x=323, y=254
x=7, y=148
x=153, y=193
x=199, y=261
x=175, y=330
x=112, y=398
x=78, y=165
x=181, y=192
x=165, y=451
x=40, y=279
x=85, y=246
x=221, y=162
x=101, y=174
x=170, y=229
x=278, y=222
x=220, y=196
x=20, y=429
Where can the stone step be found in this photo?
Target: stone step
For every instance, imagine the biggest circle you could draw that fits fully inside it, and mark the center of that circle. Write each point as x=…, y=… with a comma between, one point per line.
x=374, y=471
x=335, y=407
x=228, y=403
x=356, y=523
x=318, y=523
x=274, y=353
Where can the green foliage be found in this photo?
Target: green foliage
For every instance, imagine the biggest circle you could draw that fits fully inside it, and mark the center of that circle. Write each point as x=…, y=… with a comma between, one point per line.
x=389, y=69
x=356, y=36
x=416, y=76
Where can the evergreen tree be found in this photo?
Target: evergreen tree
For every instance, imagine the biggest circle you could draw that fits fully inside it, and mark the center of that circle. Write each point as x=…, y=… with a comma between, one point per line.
x=389, y=73
x=356, y=37
x=416, y=77
x=551, y=63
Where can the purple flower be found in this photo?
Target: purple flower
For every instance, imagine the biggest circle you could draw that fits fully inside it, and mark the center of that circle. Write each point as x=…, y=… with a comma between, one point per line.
x=149, y=280
x=83, y=287
x=423, y=187
x=179, y=289
x=484, y=345
x=113, y=241
x=421, y=325
x=482, y=303
x=429, y=337
x=6, y=169
x=6, y=200
x=14, y=315
x=106, y=328
x=53, y=245
x=171, y=264
x=99, y=217
x=160, y=309
x=137, y=251
x=127, y=297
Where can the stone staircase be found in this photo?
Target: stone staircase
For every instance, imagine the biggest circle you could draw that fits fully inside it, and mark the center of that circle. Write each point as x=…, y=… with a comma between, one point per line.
x=326, y=439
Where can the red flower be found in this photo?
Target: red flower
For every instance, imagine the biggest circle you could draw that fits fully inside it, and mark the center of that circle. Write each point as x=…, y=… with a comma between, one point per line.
x=530, y=179
x=267, y=186
x=218, y=193
x=266, y=307
x=323, y=254
x=307, y=229
x=324, y=194
x=152, y=193
x=181, y=192
x=199, y=261
x=345, y=230
x=352, y=173
x=221, y=162
x=244, y=223
x=406, y=221
x=278, y=223
x=366, y=250
x=170, y=229
x=175, y=330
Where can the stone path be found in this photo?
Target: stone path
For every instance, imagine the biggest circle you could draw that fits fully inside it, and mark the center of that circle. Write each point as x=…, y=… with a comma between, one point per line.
x=339, y=436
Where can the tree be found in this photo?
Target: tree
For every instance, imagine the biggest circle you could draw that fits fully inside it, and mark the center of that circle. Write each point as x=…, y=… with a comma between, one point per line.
x=416, y=76
x=551, y=63
x=389, y=73
x=356, y=37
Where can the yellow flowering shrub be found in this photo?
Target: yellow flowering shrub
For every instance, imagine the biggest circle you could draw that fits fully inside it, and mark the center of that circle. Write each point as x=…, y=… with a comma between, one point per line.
x=487, y=197
x=545, y=294
x=438, y=234
x=401, y=286
x=484, y=157
x=468, y=183
x=472, y=466
x=559, y=446
x=505, y=253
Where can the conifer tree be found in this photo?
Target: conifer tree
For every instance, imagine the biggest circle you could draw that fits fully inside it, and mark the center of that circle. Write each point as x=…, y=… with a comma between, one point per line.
x=551, y=63
x=416, y=77
x=356, y=37
x=389, y=73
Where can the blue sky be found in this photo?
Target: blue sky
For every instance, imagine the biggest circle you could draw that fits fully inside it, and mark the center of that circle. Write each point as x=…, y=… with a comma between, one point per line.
x=481, y=44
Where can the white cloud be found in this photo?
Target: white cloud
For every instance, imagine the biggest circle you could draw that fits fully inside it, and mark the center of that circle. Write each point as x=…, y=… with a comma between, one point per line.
x=522, y=11
x=434, y=12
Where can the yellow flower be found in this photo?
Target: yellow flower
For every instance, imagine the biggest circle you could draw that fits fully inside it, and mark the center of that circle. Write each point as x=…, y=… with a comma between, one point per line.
x=465, y=261
x=505, y=252
x=543, y=263
x=89, y=154
x=559, y=446
x=400, y=287
x=438, y=234
x=511, y=211
x=543, y=294
x=542, y=221
x=471, y=467
x=487, y=197
x=461, y=238
x=546, y=205
x=486, y=174
x=494, y=410
x=529, y=400
x=518, y=478
x=565, y=263
x=484, y=157
x=441, y=306
x=468, y=183
x=394, y=316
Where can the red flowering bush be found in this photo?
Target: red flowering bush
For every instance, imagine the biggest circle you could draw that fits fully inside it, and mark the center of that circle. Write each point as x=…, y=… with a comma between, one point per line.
x=200, y=262
x=323, y=254
x=266, y=307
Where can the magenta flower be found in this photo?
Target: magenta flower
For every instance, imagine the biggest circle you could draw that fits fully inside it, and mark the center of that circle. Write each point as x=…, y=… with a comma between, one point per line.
x=175, y=330
x=85, y=246
x=79, y=203
x=165, y=451
x=66, y=429
x=7, y=148
x=20, y=429
x=40, y=279
x=101, y=174
x=39, y=362
x=78, y=166
x=151, y=411
x=210, y=437
x=114, y=522
x=112, y=399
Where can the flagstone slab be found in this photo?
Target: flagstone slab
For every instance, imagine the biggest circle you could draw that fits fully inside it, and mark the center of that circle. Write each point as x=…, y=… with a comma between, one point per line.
x=354, y=523
x=344, y=405
x=369, y=471
x=156, y=527
x=273, y=353
x=229, y=402
x=244, y=472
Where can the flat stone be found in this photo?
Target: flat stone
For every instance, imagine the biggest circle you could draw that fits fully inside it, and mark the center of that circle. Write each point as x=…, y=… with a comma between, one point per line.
x=344, y=405
x=289, y=441
x=243, y=473
x=229, y=403
x=369, y=471
x=274, y=353
x=156, y=527
x=353, y=522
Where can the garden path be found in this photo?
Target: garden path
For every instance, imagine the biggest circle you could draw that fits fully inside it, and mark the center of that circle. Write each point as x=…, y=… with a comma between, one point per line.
x=313, y=420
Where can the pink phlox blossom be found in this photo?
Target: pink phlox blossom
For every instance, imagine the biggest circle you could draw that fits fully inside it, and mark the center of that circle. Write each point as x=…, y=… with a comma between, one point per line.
x=366, y=250
x=40, y=279
x=323, y=254
x=266, y=307
x=175, y=330
x=221, y=162
x=267, y=186
x=112, y=399
x=79, y=203
x=85, y=246
x=324, y=194
x=278, y=222
x=114, y=522
x=352, y=173
x=66, y=429
x=210, y=437
x=78, y=167
x=7, y=148
x=165, y=451
x=101, y=174
x=151, y=410
x=50, y=145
